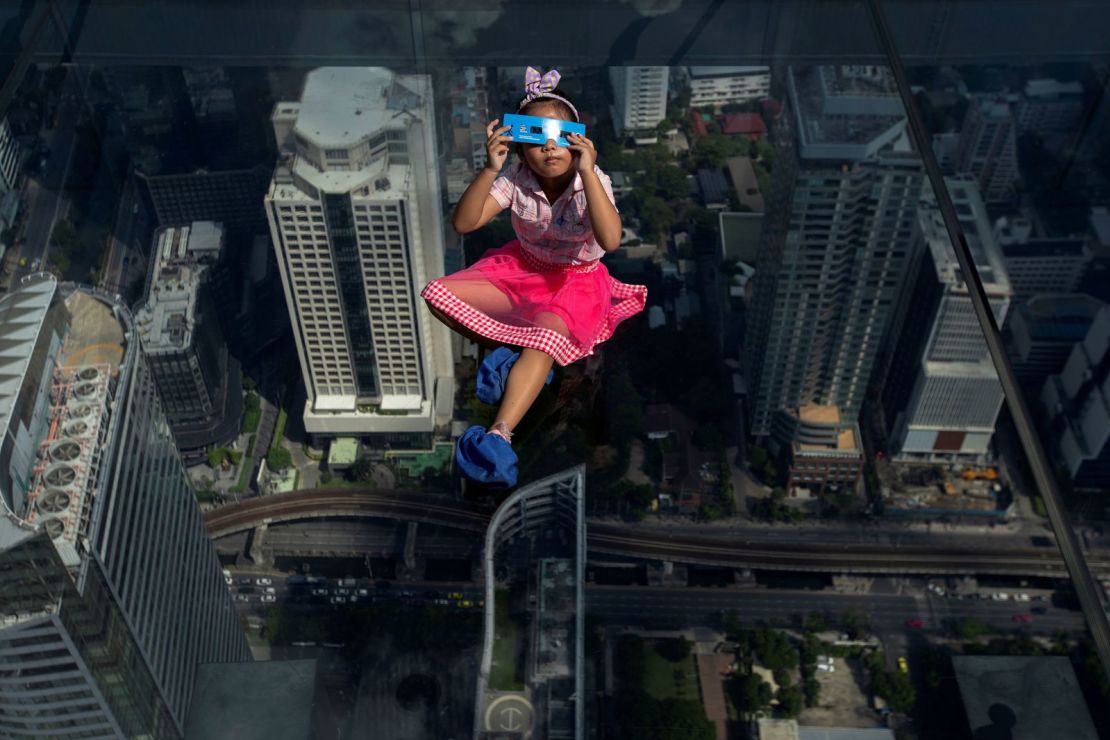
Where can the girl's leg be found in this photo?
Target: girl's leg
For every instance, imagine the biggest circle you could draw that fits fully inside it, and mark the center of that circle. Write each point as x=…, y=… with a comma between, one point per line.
x=526, y=380
x=458, y=328
x=479, y=294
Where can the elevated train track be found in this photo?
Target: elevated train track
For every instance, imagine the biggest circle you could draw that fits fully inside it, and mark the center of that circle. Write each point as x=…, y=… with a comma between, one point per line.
x=632, y=542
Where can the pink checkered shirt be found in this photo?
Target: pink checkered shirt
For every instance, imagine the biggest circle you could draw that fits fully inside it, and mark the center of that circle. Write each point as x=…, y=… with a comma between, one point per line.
x=558, y=232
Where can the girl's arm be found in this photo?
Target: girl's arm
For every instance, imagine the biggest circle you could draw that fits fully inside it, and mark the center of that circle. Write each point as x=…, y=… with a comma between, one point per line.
x=603, y=215
x=476, y=207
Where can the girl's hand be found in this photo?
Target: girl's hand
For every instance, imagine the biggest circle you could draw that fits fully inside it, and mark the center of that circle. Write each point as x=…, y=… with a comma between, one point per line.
x=585, y=155
x=497, y=147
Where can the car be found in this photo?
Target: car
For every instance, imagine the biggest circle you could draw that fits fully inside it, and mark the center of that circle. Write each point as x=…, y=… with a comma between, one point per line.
x=343, y=591
x=364, y=592
x=339, y=599
x=454, y=595
x=1021, y=597
x=263, y=581
x=442, y=602
x=270, y=590
x=903, y=665
x=826, y=667
x=1022, y=618
x=914, y=624
x=268, y=598
x=246, y=581
x=481, y=603
x=466, y=603
x=22, y=261
x=243, y=598
x=35, y=263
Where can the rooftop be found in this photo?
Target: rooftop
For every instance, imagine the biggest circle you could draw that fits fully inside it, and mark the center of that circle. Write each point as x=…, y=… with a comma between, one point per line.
x=845, y=112
x=1050, y=88
x=1023, y=698
x=340, y=106
x=182, y=255
x=744, y=180
x=972, y=215
x=743, y=123
x=21, y=315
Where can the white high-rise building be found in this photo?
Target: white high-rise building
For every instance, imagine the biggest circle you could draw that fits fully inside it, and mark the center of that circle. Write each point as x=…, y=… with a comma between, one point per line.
x=942, y=395
x=354, y=210
x=723, y=85
x=110, y=589
x=640, y=101
x=838, y=238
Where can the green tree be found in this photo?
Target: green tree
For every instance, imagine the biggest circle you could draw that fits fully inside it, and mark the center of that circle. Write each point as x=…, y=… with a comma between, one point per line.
x=811, y=691
x=656, y=215
x=713, y=150
x=360, y=470
x=970, y=628
x=279, y=459
x=670, y=184
x=790, y=701
x=774, y=650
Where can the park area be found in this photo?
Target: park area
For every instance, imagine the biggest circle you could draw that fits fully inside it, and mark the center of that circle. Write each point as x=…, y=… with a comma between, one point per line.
x=508, y=658
x=657, y=690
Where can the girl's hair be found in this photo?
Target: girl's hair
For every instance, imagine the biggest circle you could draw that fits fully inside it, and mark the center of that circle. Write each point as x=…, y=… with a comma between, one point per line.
x=563, y=108
x=564, y=111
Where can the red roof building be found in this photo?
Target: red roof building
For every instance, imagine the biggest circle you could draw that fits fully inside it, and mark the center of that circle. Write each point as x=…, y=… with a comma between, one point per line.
x=697, y=123
x=745, y=124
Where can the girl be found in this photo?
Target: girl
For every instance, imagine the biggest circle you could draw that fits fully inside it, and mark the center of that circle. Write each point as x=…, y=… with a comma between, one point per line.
x=545, y=292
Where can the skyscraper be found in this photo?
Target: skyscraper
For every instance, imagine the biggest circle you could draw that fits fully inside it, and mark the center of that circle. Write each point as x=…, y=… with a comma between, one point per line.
x=354, y=210
x=838, y=237
x=198, y=383
x=942, y=396
x=117, y=586
x=988, y=147
x=639, y=101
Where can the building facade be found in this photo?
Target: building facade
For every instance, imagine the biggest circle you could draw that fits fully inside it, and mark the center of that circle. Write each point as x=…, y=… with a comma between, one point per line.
x=11, y=159
x=97, y=503
x=1038, y=265
x=639, y=101
x=1077, y=402
x=1042, y=333
x=724, y=85
x=839, y=235
x=987, y=147
x=356, y=221
x=942, y=396
x=181, y=336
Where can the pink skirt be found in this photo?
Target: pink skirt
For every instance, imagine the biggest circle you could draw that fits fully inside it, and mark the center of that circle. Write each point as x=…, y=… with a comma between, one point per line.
x=512, y=297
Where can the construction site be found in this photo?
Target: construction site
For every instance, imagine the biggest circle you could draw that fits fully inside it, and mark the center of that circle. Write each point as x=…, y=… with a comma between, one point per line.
x=946, y=493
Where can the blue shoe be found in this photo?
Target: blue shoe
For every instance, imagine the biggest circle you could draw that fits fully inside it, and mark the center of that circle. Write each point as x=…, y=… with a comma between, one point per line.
x=486, y=458
x=493, y=374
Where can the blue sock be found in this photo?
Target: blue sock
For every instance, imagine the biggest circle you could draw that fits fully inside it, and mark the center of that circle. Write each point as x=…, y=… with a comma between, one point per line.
x=486, y=458
x=493, y=374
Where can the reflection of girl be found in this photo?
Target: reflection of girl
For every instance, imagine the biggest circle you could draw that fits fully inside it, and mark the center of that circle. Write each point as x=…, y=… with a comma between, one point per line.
x=545, y=292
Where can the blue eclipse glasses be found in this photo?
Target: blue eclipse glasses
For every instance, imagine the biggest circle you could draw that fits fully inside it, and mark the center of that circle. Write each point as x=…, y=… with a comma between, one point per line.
x=536, y=130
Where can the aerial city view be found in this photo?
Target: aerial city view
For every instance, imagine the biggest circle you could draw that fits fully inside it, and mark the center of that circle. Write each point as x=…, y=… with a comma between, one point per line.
x=787, y=495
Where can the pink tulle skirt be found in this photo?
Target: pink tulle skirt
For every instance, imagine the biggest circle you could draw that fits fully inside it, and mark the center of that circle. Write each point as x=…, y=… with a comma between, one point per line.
x=512, y=297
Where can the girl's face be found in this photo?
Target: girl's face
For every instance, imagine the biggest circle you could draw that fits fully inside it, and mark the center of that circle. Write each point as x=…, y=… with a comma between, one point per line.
x=547, y=159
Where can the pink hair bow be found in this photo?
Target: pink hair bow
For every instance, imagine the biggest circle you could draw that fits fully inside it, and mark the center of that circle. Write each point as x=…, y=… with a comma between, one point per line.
x=536, y=84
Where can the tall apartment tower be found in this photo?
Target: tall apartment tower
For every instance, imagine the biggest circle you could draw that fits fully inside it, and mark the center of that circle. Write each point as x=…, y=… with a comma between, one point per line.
x=839, y=235
x=941, y=397
x=110, y=590
x=11, y=159
x=988, y=147
x=639, y=101
x=354, y=210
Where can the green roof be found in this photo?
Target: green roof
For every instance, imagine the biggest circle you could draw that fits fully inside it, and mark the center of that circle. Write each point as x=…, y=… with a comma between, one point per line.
x=343, y=451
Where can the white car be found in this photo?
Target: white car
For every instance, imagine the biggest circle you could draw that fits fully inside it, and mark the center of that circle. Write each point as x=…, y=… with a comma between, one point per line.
x=270, y=590
x=263, y=581
x=826, y=667
x=339, y=599
x=1021, y=597
x=268, y=598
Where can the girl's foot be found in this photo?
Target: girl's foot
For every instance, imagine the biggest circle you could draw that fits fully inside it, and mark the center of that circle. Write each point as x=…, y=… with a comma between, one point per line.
x=493, y=373
x=487, y=456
